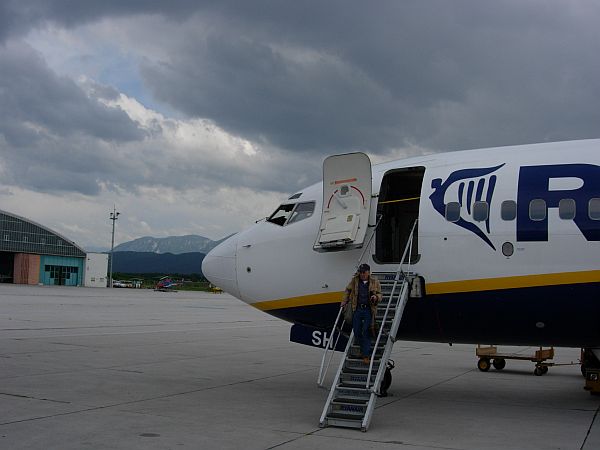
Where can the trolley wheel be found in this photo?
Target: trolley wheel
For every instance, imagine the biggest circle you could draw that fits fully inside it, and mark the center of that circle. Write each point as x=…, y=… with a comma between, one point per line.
x=588, y=360
x=499, y=363
x=538, y=371
x=385, y=384
x=544, y=370
x=483, y=364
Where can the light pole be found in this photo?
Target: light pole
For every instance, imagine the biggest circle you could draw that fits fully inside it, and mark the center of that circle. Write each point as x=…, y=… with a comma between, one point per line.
x=113, y=216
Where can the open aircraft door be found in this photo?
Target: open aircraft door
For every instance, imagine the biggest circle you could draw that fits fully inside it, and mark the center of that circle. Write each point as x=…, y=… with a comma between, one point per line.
x=346, y=202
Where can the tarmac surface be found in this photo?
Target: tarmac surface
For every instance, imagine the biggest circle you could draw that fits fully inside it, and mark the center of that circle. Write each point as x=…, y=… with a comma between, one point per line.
x=84, y=368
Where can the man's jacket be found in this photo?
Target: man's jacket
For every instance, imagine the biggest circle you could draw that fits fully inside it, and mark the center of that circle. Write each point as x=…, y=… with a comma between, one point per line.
x=351, y=293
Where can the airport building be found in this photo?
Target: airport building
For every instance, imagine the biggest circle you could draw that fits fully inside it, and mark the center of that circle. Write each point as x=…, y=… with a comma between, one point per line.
x=33, y=254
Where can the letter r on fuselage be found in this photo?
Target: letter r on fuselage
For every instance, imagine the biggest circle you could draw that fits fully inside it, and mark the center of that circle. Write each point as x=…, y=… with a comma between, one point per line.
x=534, y=183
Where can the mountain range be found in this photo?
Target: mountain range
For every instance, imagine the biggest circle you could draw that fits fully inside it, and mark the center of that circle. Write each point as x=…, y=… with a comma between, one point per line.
x=161, y=263
x=173, y=244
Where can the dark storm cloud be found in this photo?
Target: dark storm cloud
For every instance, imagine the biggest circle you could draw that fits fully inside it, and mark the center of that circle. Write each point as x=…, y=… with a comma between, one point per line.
x=56, y=136
x=436, y=74
x=250, y=89
x=50, y=129
x=340, y=75
x=34, y=100
x=298, y=77
x=17, y=17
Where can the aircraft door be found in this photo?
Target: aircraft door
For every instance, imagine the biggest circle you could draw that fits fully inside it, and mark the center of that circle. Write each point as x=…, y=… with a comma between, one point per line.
x=347, y=185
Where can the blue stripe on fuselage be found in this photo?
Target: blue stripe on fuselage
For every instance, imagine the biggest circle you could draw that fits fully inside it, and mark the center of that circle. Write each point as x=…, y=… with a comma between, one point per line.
x=565, y=315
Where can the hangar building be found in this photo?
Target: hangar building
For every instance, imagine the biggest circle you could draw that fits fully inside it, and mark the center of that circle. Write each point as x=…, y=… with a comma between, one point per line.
x=33, y=254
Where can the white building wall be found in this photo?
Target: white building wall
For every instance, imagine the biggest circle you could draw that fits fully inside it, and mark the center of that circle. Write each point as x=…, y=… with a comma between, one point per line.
x=96, y=270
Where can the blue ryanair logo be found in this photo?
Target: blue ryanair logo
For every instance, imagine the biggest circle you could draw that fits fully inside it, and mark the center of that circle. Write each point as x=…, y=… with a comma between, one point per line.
x=466, y=187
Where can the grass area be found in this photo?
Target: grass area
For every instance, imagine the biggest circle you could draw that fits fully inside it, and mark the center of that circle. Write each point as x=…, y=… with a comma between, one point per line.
x=194, y=286
x=194, y=282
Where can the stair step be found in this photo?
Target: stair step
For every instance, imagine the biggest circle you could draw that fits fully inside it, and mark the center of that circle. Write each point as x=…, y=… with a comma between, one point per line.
x=383, y=338
x=356, y=346
x=356, y=353
x=352, y=393
x=388, y=319
x=387, y=323
x=345, y=416
x=351, y=400
x=340, y=420
x=384, y=335
x=357, y=410
x=358, y=363
x=382, y=306
x=390, y=316
x=355, y=379
x=360, y=368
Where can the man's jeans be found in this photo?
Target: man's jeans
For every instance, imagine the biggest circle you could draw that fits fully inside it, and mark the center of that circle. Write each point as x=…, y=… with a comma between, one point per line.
x=361, y=324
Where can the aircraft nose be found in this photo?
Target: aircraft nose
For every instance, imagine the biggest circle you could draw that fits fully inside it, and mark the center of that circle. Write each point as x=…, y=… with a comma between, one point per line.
x=219, y=266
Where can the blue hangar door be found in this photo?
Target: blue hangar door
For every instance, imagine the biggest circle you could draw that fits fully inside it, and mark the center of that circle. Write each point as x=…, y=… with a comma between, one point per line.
x=61, y=270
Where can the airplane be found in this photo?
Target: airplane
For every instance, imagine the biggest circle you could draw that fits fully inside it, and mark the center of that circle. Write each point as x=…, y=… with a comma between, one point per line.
x=506, y=244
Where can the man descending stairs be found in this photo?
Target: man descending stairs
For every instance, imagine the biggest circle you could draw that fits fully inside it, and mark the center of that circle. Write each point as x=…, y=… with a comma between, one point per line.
x=357, y=384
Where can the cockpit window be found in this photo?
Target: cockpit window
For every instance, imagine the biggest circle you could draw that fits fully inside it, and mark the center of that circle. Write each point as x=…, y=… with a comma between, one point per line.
x=281, y=214
x=301, y=212
x=291, y=213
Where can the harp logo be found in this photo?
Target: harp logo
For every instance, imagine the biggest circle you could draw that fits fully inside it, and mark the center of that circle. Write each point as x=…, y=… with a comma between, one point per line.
x=466, y=187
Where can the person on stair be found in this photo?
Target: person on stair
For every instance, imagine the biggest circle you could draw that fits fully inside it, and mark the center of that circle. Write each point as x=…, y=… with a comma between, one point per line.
x=363, y=292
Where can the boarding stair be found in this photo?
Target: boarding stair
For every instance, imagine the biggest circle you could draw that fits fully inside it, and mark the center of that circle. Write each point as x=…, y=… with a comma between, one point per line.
x=356, y=385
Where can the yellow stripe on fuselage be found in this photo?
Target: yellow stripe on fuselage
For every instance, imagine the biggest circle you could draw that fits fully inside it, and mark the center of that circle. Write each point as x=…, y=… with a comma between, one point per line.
x=450, y=287
x=305, y=300
x=523, y=281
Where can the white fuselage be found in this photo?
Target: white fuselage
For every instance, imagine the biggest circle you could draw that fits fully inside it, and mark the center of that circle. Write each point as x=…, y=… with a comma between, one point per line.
x=275, y=268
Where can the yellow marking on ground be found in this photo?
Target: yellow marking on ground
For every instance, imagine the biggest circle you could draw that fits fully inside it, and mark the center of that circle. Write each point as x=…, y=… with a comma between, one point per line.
x=450, y=287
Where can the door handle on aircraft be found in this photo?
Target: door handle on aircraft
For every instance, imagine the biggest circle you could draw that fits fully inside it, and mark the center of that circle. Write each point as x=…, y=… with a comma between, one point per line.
x=247, y=245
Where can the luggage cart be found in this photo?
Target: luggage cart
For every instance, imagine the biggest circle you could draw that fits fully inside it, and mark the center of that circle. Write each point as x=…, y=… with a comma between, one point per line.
x=488, y=355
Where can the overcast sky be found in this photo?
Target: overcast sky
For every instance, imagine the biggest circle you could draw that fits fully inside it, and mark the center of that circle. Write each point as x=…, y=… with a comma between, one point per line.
x=199, y=117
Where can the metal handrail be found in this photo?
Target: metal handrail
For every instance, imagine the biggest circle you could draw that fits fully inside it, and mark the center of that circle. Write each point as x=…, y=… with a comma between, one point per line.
x=366, y=247
x=323, y=373
x=407, y=249
x=328, y=347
